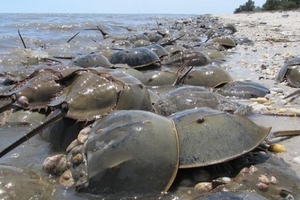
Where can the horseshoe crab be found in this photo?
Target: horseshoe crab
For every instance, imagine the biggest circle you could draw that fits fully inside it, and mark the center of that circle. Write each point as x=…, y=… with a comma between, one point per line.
x=215, y=54
x=91, y=60
x=174, y=48
x=197, y=128
x=180, y=57
x=141, y=43
x=290, y=72
x=231, y=27
x=154, y=37
x=158, y=78
x=136, y=37
x=208, y=76
x=225, y=42
x=189, y=97
x=158, y=49
x=125, y=144
x=36, y=90
x=242, y=89
x=135, y=57
x=92, y=94
x=132, y=134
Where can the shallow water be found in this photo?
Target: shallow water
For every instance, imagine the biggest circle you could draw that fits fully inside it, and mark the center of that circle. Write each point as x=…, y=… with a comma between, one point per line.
x=46, y=35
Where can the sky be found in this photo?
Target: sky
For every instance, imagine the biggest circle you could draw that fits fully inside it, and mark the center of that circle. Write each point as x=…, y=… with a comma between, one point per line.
x=124, y=6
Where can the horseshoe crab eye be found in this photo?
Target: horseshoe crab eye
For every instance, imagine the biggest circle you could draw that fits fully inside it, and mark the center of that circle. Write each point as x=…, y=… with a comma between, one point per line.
x=64, y=107
x=200, y=120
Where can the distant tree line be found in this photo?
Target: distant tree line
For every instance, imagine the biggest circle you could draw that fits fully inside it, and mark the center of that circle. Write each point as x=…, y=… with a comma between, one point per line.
x=269, y=5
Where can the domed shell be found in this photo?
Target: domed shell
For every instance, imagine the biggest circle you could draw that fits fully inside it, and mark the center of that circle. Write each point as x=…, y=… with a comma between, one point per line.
x=185, y=97
x=132, y=153
x=290, y=72
x=208, y=136
x=91, y=60
x=158, y=49
x=243, y=89
x=135, y=57
x=174, y=48
x=293, y=76
x=215, y=54
x=141, y=43
x=208, y=76
x=230, y=27
x=158, y=78
x=225, y=41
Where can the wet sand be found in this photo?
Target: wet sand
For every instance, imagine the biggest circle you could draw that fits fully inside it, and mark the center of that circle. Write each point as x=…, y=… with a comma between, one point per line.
x=276, y=37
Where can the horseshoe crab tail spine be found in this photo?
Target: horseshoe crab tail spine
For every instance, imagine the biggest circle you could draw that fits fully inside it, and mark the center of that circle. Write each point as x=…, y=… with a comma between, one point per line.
x=287, y=133
x=73, y=37
x=62, y=112
x=22, y=39
x=104, y=33
x=181, y=77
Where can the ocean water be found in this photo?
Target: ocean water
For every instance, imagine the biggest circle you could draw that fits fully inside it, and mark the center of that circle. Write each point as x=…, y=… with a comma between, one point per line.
x=46, y=35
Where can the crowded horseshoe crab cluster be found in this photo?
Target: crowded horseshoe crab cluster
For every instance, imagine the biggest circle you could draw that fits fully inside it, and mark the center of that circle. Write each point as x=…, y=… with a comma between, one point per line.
x=145, y=107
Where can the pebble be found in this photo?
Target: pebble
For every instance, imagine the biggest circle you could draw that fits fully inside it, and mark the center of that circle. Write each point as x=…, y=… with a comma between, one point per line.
x=262, y=187
x=273, y=180
x=297, y=160
x=259, y=100
x=258, y=108
x=277, y=148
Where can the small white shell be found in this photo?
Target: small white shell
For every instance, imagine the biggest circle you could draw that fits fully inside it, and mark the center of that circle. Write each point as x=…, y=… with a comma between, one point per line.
x=253, y=169
x=245, y=170
x=297, y=160
x=273, y=180
x=264, y=179
x=84, y=134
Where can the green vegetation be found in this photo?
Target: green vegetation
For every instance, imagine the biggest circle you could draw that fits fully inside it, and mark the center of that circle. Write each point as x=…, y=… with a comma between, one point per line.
x=269, y=5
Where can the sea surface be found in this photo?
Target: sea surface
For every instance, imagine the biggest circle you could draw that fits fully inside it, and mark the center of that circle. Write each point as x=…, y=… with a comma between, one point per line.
x=46, y=35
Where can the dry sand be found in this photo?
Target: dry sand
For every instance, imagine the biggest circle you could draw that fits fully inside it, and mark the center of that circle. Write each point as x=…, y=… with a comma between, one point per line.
x=276, y=37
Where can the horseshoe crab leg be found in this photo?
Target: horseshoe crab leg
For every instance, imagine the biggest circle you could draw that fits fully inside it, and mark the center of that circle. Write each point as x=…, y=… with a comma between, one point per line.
x=62, y=112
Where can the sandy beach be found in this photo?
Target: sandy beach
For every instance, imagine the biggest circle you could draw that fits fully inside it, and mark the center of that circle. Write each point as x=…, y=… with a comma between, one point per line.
x=276, y=39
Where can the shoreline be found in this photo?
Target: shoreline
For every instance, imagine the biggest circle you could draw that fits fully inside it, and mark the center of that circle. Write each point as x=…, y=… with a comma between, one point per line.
x=276, y=37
